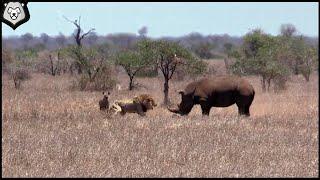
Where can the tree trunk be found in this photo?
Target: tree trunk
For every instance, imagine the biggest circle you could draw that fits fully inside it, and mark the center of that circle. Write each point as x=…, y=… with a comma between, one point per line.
x=296, y=70
x=269, y=82
x=263, y=82
x=131, y=84
x=226, y=63
x=166, y=92
x=51, y=66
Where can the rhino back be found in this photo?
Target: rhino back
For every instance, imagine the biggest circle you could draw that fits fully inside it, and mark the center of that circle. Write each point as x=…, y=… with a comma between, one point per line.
x=207, y=86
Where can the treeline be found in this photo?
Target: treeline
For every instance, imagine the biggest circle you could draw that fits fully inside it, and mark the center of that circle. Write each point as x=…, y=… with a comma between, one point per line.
x=95, y=60
x=210, y=46
x=274, y=58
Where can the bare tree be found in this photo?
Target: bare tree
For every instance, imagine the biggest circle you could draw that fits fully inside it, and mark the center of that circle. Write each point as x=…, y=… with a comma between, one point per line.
x=78, y=36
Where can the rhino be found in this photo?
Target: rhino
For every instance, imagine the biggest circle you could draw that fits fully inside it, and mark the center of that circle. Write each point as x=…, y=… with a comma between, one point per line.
x=219, y=91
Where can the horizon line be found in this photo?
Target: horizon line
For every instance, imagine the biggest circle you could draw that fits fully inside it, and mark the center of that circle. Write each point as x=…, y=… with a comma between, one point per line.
x=163, y=36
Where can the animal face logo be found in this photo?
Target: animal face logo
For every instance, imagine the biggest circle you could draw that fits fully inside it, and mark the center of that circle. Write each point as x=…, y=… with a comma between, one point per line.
x=15, y=13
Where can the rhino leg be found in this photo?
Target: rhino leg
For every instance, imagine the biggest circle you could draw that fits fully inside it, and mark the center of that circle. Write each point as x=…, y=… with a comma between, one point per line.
x=241, y=110
x=243, y=104
x=244, y=110
x=205, y=108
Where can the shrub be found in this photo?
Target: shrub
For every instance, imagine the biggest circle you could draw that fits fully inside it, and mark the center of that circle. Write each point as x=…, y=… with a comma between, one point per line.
x=104, y=80
x=280, y=83
x=7, y=58
x=18, y=76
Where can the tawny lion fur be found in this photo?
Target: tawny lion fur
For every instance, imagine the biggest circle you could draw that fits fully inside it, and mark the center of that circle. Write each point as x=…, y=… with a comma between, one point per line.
x=139, y=104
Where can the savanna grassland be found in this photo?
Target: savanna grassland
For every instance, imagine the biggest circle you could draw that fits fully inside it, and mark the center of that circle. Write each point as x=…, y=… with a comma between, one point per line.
x=49, y=130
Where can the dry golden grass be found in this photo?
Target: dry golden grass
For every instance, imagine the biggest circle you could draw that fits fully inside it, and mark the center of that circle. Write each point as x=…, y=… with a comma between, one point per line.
x=50, y=131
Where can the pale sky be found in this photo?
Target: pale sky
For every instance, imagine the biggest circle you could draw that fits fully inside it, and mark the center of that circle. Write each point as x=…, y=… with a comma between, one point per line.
x=169, y=19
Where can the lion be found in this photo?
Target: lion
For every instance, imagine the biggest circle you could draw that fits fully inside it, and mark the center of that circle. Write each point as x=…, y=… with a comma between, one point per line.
x=139, y=104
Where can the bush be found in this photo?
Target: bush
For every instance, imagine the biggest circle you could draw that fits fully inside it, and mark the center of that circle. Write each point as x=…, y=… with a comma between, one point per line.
x=7, y=58
x=280, y=83
x=104, y=80
x=19, y=75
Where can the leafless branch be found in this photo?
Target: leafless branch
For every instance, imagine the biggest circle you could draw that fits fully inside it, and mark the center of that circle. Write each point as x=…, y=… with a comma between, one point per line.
x=87, y=33
x=73, y=22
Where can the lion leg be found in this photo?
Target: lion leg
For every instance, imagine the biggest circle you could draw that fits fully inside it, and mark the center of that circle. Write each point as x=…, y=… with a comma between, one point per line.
x=122, y=113
x=116, y=108
x=140, y=110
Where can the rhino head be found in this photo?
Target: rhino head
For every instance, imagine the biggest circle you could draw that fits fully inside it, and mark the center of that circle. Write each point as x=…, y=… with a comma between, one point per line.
x=186, y=104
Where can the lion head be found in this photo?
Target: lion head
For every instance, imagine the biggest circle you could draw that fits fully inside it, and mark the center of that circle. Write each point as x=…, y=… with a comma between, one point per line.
x=145, y=100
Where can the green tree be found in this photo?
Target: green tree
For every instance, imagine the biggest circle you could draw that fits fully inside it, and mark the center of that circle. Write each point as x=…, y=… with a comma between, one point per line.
x=304, y=57
x=297, y=55
x=94, y=66
x=132, y=62
x=147, y=53
x=85, y=59
x=308, y=61
x=168, y=56
x=79, y=35
x=259, y=55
